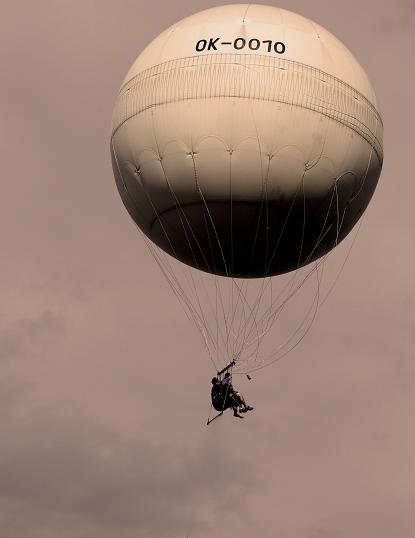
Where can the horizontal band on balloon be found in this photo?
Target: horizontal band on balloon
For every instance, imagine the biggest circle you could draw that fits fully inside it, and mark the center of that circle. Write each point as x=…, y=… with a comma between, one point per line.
x=245, y=76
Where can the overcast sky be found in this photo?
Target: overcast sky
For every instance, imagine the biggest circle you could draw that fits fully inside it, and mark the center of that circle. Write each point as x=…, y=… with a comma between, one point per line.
x=104, y=386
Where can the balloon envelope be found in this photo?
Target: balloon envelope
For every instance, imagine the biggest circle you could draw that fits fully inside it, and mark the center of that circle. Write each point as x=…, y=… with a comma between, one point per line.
x=246, y=141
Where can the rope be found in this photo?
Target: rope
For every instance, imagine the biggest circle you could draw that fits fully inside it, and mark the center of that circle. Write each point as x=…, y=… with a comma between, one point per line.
x=234, y=316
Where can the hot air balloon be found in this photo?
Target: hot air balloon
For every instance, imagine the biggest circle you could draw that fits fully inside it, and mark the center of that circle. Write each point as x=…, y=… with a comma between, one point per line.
x=246, y=144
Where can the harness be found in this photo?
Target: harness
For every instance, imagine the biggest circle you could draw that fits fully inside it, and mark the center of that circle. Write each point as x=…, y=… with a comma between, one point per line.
x=223, y=397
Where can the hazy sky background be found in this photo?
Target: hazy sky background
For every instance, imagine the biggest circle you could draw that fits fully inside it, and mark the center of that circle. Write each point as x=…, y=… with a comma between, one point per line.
x=104, y=386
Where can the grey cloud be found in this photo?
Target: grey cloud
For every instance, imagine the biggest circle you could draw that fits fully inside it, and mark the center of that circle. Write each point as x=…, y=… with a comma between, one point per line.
x=324, y=532
x=63, y=475
x=22, y=338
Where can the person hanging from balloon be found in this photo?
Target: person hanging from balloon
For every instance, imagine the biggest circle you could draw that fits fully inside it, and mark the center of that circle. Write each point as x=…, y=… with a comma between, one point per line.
x=225, y=396
x=228, y=387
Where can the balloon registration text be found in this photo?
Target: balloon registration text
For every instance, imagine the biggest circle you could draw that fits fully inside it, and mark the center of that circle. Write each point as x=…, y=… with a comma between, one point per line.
x=240, y=43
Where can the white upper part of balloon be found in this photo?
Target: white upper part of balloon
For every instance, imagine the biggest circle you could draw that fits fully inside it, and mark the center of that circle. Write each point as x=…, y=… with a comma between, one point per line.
x=301, y=39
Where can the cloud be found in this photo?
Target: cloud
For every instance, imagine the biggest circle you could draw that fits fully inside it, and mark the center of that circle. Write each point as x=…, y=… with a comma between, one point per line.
x=323, y=532
x=64, y=475
x=24, y=337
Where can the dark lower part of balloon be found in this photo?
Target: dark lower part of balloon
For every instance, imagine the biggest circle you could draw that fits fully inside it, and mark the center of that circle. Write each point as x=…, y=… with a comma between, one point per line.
x=253, y=240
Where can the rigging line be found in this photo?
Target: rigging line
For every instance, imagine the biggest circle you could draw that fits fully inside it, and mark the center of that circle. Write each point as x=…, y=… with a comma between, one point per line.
x=303, y=228
x=302, y=282
x=214, y=276
x=190, y=306
x=248, y=305
x=174, y=281
x=344, y=262
x=279, y=239
x=336, y=190
x=231, y=230
x=199, y=323
x=271, y=316
x=242, y=318
x=355, y=236
x=362, y=184
x=241, y=300
x=231, y=211
x=241, y=315
x=183, y=294
x=273, y=301
x=356, y=233
x=321, y=235
x=177, y=288
x=264, y=181
x=238, y=311
x=279, y=308
x=240, y=335
x=181, y=213
x=302, y=237
x=214, y=228
x=349, y=249
x=201, y=309
x=134, y=205
x=225, y=314
x=307, y=276
x=292, y=280
x=321, y=302
x=260, y=213
x=288, y=285
x=286, y=220
x=234, y=311
x=311, y=309
x=197, y=298
x=195, y=175
x=255, y=342
x=264, y=194
x=180, y=210
x=277, y=350
x=218, y=240
x=148, y=197
x=302, y=328
x=178, y=206
x=212, y=255
x=253, y=321
x=216, y=312
x=189, y=312
x=218, y=293
x=286, y=352
x=283, y=227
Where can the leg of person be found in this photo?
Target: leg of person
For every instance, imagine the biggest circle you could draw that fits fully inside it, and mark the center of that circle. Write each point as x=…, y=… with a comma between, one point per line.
x=241, y=397
x=245, y=407
x=235, y=412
